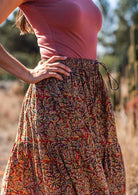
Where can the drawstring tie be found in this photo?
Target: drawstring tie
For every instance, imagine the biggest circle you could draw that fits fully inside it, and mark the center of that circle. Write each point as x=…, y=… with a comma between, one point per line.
x=108, y=74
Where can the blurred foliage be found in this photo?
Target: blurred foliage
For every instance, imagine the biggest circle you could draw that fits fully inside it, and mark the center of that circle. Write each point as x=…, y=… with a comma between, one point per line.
x=104, y=4
x=117, y=39
x=111, y=63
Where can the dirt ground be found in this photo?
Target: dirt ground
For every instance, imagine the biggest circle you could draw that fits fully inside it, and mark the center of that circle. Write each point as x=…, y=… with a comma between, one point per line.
x=10, y=105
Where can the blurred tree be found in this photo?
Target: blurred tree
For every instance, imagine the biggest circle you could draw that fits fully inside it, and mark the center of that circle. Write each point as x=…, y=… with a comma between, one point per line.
x=127, y=12
x=118, y=40
x=104, y=4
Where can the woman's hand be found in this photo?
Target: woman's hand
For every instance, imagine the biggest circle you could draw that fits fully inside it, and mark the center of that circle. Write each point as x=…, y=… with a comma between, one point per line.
x=47, y=69
x=43, y=70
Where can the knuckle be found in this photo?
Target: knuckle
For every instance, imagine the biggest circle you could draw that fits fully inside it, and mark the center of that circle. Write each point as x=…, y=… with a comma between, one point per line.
x=46, y=66
x=61, y=65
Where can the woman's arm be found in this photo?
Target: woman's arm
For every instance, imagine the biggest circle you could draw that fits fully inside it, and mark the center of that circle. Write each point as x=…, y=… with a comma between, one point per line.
x=43, y=70
x=8, y=62
x=13, y=66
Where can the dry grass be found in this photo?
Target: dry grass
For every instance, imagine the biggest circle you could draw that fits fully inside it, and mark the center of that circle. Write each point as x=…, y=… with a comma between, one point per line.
x=10, y=105
x=128, y=139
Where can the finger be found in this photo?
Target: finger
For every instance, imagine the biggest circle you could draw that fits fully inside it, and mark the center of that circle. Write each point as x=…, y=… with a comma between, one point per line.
x=63, y=66
x=60, y=70
x=54, y=58
x=54, y=74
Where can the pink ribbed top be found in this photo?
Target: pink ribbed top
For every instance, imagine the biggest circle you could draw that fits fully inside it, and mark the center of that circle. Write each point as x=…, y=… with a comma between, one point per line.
x=64, y=27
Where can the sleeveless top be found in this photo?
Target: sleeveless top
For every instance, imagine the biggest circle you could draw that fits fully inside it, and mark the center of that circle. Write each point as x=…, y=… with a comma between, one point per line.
x=64, y=27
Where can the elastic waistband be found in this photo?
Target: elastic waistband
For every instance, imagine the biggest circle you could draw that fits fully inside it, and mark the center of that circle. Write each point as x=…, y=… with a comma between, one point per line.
x=85, y=63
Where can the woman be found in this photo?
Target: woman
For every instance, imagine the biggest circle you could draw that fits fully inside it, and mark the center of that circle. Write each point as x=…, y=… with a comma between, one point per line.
x=66, y=141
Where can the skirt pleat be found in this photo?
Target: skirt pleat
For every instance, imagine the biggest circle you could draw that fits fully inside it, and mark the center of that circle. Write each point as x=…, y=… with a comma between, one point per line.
x=66, y=140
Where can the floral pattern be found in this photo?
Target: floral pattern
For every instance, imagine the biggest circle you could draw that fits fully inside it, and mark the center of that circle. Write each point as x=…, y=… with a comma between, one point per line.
x=66, y=140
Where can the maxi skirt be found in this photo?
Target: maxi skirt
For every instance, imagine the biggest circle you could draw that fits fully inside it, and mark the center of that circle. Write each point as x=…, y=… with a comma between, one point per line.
x=66, y=142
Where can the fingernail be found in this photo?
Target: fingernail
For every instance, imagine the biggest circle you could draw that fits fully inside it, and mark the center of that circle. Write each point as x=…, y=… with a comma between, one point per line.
x=64, y=56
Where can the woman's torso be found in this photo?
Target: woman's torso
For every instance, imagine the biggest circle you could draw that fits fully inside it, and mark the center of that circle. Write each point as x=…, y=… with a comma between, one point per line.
x=65, y=27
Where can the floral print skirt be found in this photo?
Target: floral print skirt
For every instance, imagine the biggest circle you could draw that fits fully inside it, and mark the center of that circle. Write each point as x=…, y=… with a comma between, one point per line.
x=66, y=140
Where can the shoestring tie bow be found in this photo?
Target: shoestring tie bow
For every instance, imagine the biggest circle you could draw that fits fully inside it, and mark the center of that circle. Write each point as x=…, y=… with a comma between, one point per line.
x=109, y=75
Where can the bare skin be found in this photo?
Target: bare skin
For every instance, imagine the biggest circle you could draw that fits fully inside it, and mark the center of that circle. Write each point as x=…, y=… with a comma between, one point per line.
x=44, y=70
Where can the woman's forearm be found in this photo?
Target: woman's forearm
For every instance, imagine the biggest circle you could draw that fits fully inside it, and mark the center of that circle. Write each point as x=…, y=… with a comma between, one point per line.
x=13, y=66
